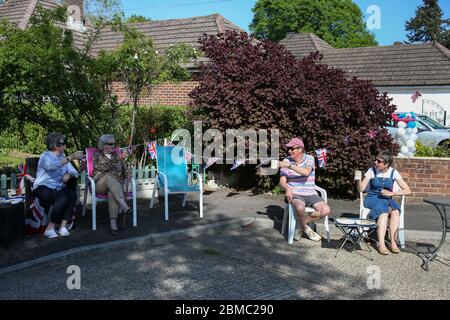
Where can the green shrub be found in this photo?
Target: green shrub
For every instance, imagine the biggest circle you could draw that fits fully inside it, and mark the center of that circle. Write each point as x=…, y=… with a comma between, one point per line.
x=30, y=137
x=426, y=151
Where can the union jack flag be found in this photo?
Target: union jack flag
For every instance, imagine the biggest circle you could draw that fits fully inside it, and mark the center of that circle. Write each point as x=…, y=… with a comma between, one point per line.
x=20, y=177
x=210, y=162
x=322, y=157
x=151, y=148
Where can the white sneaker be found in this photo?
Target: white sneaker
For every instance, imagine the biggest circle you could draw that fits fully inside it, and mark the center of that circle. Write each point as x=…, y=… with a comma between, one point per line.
x=312, y=235
x=51, y=234
x=297, y=235
x=64, y=232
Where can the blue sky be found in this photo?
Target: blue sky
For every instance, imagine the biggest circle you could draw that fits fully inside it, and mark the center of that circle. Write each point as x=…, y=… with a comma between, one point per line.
x=394, y=13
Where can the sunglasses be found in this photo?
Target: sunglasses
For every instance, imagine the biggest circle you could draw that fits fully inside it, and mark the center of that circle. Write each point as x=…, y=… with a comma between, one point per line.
x=292, y=149
x=111, y=144
x=59, y=144
x=379, y=161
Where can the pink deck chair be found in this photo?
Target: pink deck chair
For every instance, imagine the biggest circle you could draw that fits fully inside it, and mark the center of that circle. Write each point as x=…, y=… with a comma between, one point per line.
x=97, y=197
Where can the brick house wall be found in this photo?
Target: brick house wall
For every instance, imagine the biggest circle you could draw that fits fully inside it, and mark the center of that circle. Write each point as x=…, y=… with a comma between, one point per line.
x=170, y=94
x=426, y=177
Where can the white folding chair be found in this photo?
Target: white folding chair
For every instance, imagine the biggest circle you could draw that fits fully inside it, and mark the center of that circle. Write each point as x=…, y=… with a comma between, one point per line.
x=364, y=212
x=290, y=218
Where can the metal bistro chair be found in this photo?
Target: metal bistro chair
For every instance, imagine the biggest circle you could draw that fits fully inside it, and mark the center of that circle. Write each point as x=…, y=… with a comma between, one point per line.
x=364, y=212
x=97, y=197
x=173, y=177
x=290, y=220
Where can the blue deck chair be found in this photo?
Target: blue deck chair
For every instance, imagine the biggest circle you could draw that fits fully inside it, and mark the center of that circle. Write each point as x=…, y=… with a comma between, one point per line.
x=173, y=177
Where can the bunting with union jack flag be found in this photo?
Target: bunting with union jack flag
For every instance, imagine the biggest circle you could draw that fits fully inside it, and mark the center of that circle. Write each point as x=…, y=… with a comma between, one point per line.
x=151, y=148
x=322, y=157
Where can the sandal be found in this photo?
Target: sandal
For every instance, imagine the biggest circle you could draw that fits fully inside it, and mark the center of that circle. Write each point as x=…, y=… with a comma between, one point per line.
x=383, y=252
x=396, y=250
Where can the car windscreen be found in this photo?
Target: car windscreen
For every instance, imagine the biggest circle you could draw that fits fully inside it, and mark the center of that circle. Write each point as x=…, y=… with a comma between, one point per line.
x=431, y=123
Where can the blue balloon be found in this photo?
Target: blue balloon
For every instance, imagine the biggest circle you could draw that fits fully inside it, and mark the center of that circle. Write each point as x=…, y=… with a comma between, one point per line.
x=411, y=124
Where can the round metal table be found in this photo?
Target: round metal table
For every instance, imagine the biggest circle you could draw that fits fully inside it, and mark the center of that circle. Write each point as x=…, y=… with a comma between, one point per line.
x=440, y=204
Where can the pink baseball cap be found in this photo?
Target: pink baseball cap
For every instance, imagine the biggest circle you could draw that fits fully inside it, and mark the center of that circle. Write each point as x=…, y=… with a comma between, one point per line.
x=295, y=142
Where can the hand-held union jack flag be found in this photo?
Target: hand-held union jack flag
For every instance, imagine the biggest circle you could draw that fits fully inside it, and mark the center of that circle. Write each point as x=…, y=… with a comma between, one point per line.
x=21, y=178
x=151, y=148
x=322, y=157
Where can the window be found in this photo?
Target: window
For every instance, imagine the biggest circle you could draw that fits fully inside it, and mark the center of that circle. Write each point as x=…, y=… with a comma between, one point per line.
x=430, y=122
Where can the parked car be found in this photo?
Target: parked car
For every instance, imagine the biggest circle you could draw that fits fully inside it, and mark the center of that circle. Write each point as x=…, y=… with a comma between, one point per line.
x=430, y=133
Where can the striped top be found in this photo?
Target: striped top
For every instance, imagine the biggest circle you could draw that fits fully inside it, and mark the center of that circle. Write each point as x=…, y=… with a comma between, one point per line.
x=301, y=185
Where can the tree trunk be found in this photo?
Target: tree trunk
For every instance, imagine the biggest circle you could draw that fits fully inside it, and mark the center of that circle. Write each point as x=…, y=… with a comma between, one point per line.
x=133, y=119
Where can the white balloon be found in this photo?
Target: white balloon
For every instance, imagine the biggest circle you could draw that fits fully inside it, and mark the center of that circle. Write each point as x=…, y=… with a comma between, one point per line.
x=410, y=144
x=405, y=139
x=413, y=137
x=413, y=150
x=400, y=143
x=409, y=131
x=401, y=124
x=415, y=130
x=404, y=150
x=401, y=132
x=410, y=154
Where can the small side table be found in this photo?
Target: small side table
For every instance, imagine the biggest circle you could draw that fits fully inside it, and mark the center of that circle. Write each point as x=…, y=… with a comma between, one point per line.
x=355, y=232
x=440, y=204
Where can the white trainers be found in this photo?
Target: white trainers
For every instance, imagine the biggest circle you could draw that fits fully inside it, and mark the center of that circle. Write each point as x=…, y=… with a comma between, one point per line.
x=51, y=234
x=297, y=235
x=312, y=235
x=63, y=232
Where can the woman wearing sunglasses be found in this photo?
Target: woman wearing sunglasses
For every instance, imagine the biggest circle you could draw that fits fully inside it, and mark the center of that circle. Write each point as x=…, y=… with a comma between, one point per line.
x=110, y=176
x=53, y=174
x=379, y=183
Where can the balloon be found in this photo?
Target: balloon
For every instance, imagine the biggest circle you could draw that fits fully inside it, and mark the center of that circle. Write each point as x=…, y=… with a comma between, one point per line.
x=410, y=144
x=401, y=132
x=405, y=139
x=404, y=150
x=413, y=149
x=400, y=143
x=410, y=154
x=415, y=130
x=411, y=124
x=413, y=137
x=401, y=124
x=409, y=131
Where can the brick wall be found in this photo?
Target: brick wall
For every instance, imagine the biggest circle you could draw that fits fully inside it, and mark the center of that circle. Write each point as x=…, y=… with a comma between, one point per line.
x=426, y=177
x=171, y=94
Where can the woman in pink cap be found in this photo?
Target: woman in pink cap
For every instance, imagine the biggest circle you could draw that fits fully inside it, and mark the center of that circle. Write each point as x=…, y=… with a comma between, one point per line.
x=297, y=177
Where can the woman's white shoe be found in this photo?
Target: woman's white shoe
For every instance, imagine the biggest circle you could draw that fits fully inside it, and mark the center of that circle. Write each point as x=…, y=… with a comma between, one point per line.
x=51, y=234
x=64, y=232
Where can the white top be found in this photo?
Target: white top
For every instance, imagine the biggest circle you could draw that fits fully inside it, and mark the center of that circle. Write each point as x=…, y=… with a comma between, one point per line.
x=380, y=174
x=108, y=155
